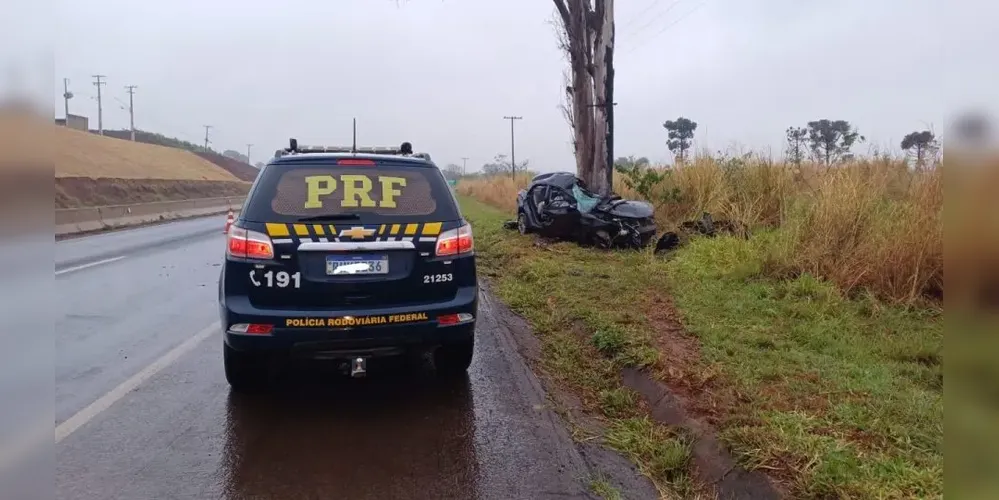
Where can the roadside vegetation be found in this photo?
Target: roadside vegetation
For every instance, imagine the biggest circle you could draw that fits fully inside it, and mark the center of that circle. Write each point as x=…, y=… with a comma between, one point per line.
x=814, y=346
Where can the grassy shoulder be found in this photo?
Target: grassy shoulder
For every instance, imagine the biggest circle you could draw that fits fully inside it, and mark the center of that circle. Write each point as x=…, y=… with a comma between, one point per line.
x=833, y=397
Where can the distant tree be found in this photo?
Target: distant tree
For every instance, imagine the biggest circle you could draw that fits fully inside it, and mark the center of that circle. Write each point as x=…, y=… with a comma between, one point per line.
x=259, y=165
x=681, y=134
x=235, y=155
x=501, y=165
x=920, y=144
x=630, y=161
x=830, y=140
x=452, y=171
x=797, y=139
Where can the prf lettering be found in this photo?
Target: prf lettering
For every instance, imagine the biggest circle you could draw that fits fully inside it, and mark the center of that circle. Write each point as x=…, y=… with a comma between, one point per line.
x=356, y=190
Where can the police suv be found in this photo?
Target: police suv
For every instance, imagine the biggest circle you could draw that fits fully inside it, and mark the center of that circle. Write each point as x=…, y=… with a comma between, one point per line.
x=345, y=254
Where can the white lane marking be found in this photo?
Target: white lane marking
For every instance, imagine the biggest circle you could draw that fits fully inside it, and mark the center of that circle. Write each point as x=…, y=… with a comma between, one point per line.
x=89, y=264
x=87, y=414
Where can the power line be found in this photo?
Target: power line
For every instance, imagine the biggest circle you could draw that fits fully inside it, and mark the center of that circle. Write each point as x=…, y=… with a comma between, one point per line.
x=656, y=18
x=131, y=109
x=640, y=14
x=100, y=109
x=670, y=25
x=207, y=127
x=513, y=158
x=66, y=96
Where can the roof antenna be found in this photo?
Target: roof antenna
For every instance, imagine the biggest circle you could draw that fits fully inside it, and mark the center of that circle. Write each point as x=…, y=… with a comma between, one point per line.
x=353, y=149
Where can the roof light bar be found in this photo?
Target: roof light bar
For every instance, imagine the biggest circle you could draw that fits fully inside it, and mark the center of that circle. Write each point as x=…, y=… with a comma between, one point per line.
x=406, y=149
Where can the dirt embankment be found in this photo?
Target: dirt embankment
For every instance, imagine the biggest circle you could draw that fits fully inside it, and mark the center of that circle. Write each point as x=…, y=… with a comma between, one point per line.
x=237, y=168
x=91, y=170
x=75, y=192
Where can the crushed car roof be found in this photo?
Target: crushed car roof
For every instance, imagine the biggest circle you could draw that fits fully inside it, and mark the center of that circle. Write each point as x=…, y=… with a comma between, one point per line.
x=564, y=180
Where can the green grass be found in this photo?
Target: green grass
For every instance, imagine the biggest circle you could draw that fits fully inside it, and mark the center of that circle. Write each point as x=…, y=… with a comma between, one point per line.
x=833, y=397
x=605, y=490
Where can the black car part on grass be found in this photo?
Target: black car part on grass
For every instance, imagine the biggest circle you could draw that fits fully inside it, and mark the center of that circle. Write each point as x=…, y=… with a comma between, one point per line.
x=705, y=226
x=558, y=205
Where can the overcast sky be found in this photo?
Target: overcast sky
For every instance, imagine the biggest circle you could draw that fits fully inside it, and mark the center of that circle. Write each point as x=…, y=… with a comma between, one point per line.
x=443, y=73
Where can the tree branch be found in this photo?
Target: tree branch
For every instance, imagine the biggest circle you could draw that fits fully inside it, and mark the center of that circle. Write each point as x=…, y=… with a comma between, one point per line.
x=563, y=12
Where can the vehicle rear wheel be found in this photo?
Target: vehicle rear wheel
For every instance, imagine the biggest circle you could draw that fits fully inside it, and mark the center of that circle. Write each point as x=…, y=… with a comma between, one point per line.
x=245, y=372
x=522, y=223
x=453, y=359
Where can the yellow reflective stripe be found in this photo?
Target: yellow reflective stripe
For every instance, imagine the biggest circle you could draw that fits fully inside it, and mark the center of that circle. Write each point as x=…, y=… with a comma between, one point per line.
x=277, y=230
x=411, y=229
x=319, y=229
x=432, y=228
x=333, y=230
x=395, y=229
x=301, y=230
x=381, y=229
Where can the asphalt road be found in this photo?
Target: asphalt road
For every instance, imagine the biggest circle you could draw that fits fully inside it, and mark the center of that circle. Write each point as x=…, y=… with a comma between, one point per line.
x=143, y=411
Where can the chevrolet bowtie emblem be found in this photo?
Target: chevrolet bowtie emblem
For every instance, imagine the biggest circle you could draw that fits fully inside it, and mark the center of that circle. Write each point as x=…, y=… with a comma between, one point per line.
x=356, y=233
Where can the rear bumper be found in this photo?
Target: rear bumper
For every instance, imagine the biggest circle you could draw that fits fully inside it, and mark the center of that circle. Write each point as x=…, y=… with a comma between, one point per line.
x=354, y=332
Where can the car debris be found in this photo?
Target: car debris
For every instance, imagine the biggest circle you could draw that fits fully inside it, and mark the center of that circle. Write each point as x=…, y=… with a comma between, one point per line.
x=559, y=206
x=705, y=226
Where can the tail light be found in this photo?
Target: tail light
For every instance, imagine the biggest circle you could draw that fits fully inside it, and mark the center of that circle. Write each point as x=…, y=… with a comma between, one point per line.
x=247, y=244
x=455, y=242
x=252, y=328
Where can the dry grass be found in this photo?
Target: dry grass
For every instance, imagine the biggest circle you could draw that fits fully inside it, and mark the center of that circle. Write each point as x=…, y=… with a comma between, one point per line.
x=82, y=154
x=869, y=226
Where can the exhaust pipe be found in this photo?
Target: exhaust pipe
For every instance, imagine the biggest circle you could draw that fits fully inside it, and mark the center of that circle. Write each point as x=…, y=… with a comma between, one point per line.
x=359, y=367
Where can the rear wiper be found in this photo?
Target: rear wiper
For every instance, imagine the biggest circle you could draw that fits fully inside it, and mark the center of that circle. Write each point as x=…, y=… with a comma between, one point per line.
x=329, y=218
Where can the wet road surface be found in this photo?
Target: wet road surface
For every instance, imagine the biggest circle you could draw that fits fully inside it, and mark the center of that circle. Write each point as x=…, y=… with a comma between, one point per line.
x=143, y=410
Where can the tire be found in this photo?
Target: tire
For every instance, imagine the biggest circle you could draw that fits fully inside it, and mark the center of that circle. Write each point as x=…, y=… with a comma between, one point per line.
x=453, y=359
x=522, y=223
x=245, y=372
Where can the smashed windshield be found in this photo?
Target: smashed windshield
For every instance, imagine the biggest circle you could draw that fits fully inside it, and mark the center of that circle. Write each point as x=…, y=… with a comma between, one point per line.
x=584, y=200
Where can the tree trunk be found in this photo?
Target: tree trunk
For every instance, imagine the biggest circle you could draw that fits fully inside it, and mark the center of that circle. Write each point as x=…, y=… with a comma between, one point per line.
x=582, y=87
x=589, y=42
x=601, y=24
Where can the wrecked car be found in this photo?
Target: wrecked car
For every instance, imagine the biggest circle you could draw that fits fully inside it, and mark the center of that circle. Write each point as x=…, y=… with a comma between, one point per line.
x=559, y=206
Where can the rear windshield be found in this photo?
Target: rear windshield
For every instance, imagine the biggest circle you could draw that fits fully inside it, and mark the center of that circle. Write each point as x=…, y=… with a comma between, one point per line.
x=386, y=192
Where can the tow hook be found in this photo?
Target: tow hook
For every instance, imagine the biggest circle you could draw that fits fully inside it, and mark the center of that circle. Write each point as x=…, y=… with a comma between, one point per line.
x=359, y=367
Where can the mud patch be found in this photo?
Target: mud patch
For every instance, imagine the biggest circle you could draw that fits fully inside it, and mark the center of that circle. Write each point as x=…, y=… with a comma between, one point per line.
x=687, y=397
x=713, y=464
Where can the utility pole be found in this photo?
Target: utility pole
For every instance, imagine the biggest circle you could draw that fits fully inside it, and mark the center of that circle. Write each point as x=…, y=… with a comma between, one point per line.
x=131, y=110
x=248, y=146
x=100, y=108
x=513, y=157
x=207, y=127
x=66, y=96
x=464, y=165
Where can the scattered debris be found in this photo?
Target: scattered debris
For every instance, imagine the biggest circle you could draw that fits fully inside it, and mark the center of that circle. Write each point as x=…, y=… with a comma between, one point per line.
x=705, y=226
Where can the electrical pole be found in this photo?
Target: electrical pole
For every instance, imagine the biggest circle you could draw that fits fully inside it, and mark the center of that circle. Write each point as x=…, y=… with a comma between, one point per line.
x=66, y=96
x=207, y=127
x=248, y=146
x=464, y=165
x=513, y=158
x=131, y=109
x=100, y=109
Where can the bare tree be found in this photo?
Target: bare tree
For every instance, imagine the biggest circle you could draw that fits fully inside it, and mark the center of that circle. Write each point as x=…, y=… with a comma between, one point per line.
x=587, y=37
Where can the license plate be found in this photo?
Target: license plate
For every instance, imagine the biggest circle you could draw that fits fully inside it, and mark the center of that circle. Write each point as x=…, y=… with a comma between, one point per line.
x=353, y=265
